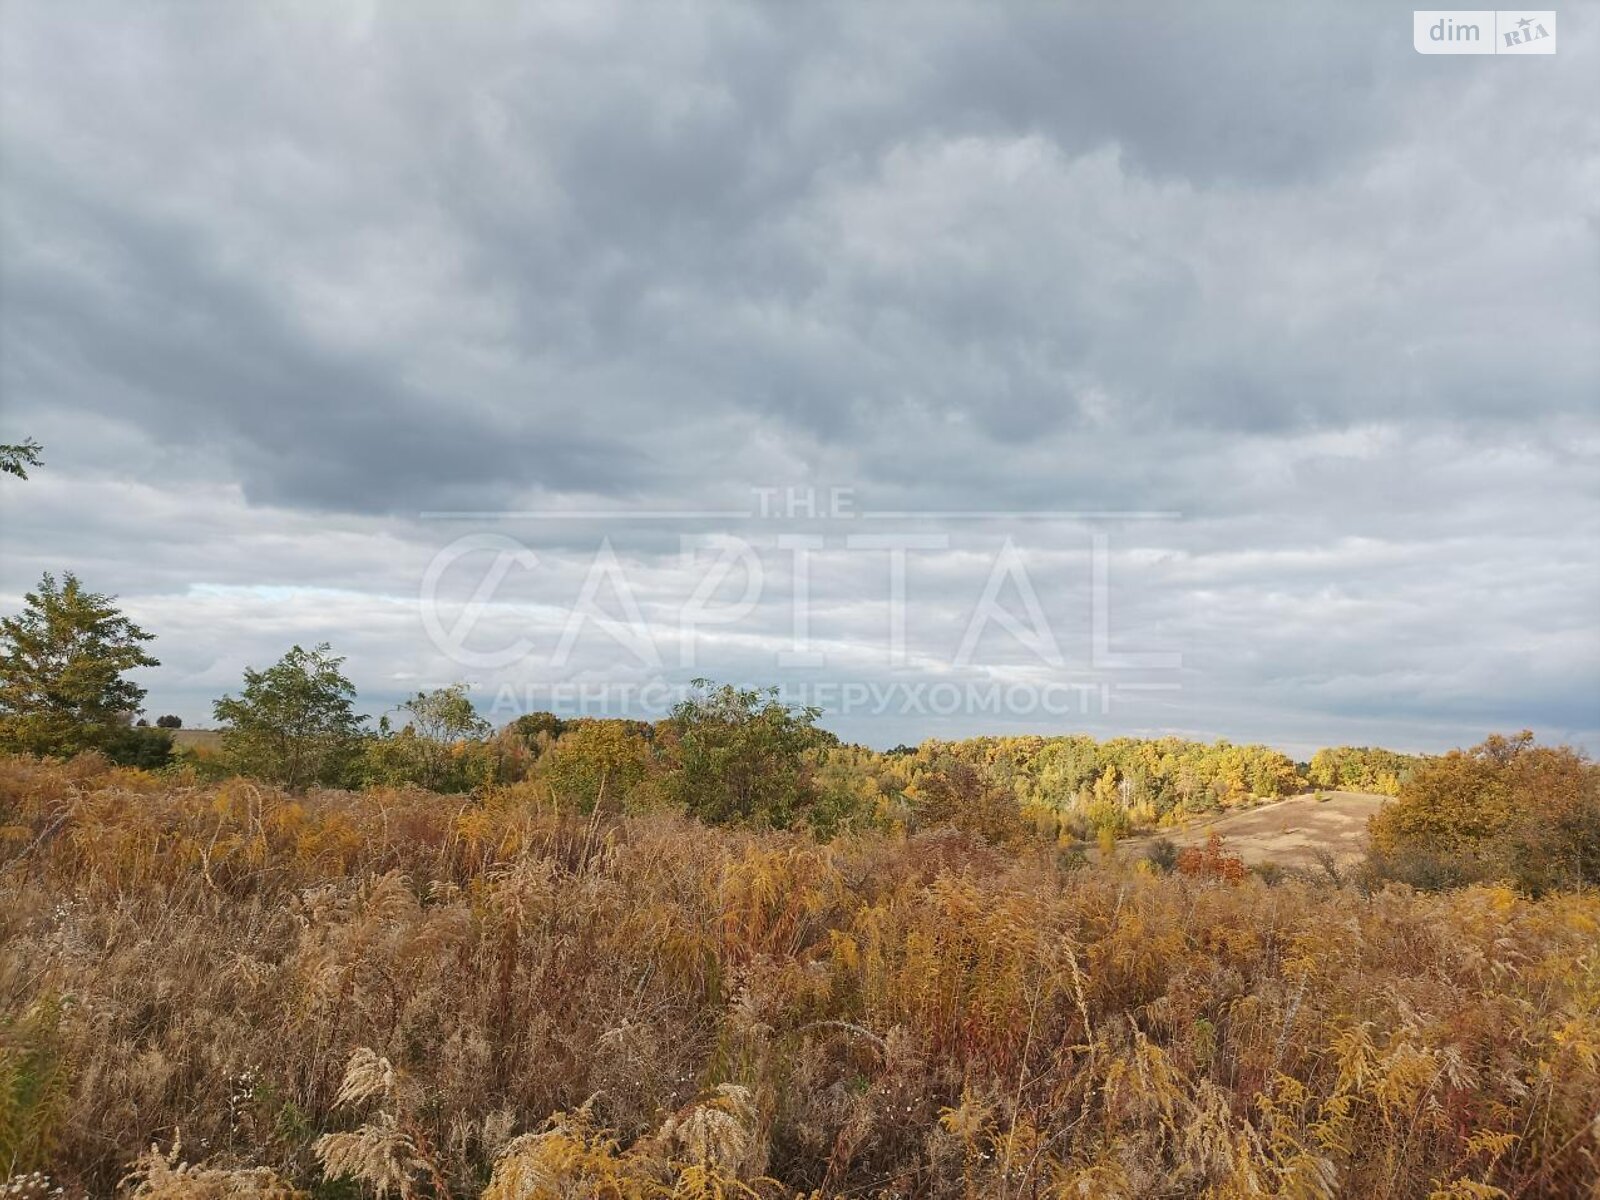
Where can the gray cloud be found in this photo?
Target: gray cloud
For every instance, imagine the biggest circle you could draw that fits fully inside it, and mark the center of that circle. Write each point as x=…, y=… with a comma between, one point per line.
x=273, y=281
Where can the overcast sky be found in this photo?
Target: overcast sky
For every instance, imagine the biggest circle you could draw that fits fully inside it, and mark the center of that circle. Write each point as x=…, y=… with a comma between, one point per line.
x=281, y=283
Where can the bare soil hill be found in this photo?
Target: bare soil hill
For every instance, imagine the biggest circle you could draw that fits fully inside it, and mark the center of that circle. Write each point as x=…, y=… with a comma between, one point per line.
x=1286, y=832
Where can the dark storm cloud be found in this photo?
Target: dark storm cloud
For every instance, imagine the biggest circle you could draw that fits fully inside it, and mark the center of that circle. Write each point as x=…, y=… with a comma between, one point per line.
x=275, y=279
x=172, y=335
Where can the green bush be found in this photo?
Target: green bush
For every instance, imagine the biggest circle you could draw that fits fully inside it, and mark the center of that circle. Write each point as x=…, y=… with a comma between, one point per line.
x=739, y=756
x=1162, y=855
x=135, y=746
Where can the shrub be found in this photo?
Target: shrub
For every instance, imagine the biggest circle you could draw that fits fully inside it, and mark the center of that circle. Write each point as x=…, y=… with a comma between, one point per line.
x=958, y=795
x=597, y=763
x=1211, y=861
x=1270, y=873
x=147, y=748
x=1162, y=854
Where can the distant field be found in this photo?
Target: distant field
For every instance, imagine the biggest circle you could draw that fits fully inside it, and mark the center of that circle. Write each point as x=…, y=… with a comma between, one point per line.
x=1286, y=832
x=199, y=739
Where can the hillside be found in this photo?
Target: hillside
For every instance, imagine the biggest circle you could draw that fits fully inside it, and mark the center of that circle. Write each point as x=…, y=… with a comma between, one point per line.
x=1295, y=832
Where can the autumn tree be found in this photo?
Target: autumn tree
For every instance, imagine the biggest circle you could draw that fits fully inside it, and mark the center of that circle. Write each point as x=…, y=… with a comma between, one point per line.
x=293, y=723
x=599, y=763
x=856, y=788
x=62, y=665
x=537, y=730
x=957, y=794
x=1506, y=808
x=1145, y=777
x=1360, y=769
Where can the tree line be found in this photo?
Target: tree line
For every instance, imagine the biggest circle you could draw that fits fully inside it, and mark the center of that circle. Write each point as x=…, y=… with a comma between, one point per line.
x=737, y=756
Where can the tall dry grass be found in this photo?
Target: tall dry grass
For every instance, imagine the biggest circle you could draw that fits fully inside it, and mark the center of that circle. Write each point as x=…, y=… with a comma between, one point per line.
x=229, y=991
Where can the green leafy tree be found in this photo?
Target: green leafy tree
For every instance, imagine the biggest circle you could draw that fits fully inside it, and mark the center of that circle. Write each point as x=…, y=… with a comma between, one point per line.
x=62, y=665
x=440, y=746
x=293, y=723
x=15, y=460
x=740, y=756
x=857, y=788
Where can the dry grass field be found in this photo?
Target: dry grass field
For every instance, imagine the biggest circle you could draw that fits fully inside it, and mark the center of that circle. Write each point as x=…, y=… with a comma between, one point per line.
x=203, y=739
x=397, y=994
